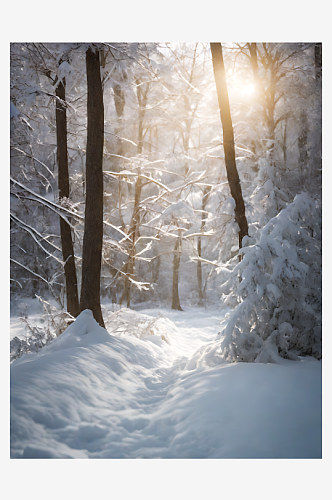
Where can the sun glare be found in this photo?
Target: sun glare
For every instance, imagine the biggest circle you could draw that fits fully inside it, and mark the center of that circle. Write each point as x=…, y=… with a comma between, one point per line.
x=249, y=89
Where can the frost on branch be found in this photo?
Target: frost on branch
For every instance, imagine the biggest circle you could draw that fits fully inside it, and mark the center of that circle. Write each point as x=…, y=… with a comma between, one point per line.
x=276, y=290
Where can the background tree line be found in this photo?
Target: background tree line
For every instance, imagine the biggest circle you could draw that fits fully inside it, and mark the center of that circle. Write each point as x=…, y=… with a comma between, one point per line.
x=128, y=157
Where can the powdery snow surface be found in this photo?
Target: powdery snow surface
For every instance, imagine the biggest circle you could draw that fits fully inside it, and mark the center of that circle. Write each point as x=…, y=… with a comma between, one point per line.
x=139, y=392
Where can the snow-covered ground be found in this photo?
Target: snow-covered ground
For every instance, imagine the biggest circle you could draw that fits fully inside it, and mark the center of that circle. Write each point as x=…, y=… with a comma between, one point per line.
x=145, y=389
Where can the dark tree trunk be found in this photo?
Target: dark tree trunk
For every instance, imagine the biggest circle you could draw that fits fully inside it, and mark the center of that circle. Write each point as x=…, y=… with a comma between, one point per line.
x=63, y=184
x=228, y=140
x=318, y=61
x=93, y=229
x=318, y=78
x=176, y=265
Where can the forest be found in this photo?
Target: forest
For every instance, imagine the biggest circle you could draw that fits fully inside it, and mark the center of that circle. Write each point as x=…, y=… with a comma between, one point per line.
x=164, y=196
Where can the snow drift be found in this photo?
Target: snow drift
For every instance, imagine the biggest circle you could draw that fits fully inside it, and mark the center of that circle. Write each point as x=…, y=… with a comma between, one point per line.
x=90, y=394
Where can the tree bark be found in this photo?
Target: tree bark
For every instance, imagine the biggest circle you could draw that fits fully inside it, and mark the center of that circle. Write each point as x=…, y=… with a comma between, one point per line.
x=63, y=184
x=228, y=140
x=318, y=61
x=93, y=229
x=318, y=78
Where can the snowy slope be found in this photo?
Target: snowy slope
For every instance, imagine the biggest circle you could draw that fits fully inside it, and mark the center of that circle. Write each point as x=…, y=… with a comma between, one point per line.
x=140, y=392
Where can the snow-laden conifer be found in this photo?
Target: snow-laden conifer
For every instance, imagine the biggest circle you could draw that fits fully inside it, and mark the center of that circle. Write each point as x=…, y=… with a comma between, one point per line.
x=276, y=290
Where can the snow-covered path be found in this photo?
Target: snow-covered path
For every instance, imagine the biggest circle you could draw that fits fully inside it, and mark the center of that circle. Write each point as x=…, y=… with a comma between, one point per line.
x=150, y=393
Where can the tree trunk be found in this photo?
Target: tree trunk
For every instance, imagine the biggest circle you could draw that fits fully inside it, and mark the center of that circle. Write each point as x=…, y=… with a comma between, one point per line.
x=318, y=62
x=206, y=192
x=253, y=61
x=284, y=145
x=199, y=272
x=111, y=185
x=318, y=78
x=155, y=269
x=190, y=114
x=228, y=140
x=134, y=233
x=135, y=220
x=119, y=102
x=176, y=265
x=63, y=184
x=267, y=99
x=93, y=229
x=303, y=141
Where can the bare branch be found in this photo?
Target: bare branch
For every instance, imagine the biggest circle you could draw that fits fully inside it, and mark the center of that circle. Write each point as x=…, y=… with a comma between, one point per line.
x=27, y=269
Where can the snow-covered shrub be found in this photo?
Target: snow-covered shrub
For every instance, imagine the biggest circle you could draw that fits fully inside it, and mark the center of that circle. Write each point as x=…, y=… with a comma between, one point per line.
x=129, y=322
x=276, y=290
x=33, y=342
x=39, y=336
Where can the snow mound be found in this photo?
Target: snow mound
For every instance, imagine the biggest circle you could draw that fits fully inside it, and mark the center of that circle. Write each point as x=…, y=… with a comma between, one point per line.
x=83, y=332
x=91, y=394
